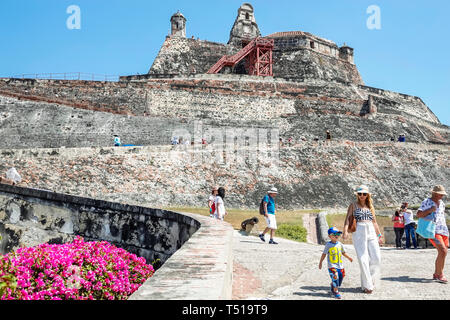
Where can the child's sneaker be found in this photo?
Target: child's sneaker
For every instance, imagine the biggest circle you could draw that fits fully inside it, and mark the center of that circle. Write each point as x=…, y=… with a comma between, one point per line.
x=272, y=242
x=337, y=295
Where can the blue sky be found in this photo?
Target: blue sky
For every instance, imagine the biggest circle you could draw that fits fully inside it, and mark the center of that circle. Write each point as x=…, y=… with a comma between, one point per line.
x=409, y=54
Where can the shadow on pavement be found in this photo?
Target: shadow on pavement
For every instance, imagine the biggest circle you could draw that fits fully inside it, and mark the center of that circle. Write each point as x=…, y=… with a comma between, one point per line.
x=324, y=291
x=408, y=279
x=315, y=291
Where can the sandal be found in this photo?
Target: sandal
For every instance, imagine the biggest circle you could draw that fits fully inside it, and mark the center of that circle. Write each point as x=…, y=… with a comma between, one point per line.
x=440, y=278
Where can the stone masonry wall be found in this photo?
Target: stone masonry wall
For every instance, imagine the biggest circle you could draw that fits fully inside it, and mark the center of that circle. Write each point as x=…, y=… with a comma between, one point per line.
x=28, y=124
x=29, y=217
x=310, y=175
x=184, y=56
x=305, y=64
x=48, y=113
x=188, y=56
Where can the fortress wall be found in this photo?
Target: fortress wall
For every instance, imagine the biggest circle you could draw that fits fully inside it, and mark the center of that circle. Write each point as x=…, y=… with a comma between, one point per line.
x=31, y=124
x=188, y=56
x=47, y=113
x=304, y=41
x=308, y=64
x=309, y=175
x=243, y=96
x=390, y=102
x=113, y=97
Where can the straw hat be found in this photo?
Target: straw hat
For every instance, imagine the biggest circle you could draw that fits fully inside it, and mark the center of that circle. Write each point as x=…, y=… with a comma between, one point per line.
x=439, y=189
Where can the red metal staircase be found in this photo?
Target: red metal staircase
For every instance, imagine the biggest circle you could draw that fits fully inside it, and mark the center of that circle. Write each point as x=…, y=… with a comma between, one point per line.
x=259, y=62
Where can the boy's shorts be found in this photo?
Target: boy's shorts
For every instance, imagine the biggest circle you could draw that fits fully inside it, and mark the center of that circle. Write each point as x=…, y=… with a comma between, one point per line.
x=271, y=222
x=439, y=239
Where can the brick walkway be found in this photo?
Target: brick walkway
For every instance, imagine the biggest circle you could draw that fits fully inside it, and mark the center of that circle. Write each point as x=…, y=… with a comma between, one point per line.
x=245, y=284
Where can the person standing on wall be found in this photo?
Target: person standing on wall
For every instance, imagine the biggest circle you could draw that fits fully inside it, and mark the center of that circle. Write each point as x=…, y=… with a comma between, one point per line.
x=367, y=238
x=269, y=214
x=410, y=226
x=220, y=205
x=399, y=228
x=436, y=207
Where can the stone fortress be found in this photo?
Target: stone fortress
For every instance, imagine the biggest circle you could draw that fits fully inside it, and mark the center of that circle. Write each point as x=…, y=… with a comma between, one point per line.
x=58, y=133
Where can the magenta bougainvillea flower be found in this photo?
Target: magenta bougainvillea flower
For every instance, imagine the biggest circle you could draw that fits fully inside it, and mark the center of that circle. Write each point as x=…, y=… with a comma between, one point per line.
x=73, y=271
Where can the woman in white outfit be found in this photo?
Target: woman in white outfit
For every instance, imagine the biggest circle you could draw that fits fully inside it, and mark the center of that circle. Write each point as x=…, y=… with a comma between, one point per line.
x=220, y=205
x=367, y=238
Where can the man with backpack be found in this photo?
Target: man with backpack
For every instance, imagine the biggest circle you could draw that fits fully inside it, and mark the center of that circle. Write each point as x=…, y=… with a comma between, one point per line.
x=267, y=208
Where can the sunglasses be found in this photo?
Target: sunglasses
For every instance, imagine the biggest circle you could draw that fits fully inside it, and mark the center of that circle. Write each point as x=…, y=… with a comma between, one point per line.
x=362, y=194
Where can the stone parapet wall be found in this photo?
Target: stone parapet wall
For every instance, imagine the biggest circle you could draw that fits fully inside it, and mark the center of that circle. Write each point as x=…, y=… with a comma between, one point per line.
x=201, y=270
x=309, y=175
x=29, y=217
x=189, y=246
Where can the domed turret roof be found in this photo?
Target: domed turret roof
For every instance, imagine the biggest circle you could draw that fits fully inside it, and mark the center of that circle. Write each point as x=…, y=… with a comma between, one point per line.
x=178, y=14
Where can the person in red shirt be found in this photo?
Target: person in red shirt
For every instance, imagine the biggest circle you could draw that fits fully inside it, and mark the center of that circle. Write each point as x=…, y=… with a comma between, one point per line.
x=399, y=228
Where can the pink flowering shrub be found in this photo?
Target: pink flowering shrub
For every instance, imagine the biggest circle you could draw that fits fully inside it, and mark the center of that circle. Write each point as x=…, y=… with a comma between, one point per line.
x=72, y=271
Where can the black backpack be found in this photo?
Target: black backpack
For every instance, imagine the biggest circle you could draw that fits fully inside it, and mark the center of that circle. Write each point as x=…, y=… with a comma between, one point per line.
x=261, y=207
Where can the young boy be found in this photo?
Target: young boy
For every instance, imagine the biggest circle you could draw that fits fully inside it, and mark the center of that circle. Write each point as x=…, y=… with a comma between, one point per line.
x=335, y=250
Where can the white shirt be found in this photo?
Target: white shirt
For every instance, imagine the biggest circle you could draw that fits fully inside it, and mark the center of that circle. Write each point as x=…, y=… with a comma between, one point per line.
x=220, y=208
x=439, y=215
x=408, y=215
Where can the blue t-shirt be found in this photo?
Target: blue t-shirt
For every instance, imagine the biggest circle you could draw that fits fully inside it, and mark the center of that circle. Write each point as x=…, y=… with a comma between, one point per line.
x=270, y=204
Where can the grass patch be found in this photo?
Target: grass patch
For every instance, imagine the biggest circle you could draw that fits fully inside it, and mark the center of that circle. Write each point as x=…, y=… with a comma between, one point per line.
x=293, y=219
x=292, y=232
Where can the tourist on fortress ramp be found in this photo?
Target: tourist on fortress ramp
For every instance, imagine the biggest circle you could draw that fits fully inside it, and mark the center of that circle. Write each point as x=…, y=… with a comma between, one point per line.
x=269, y=213
x=435, y=206
x=333, y=251
x=220, y=205
x=211, y=202
x=410, y=226
x=399, y=227
x=366, y=237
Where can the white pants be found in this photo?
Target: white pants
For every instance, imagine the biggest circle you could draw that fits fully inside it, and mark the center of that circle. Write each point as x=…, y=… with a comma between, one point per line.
x=368, y=251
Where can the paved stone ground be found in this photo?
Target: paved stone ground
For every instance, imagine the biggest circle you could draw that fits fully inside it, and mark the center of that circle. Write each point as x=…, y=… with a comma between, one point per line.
x=289, y=271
